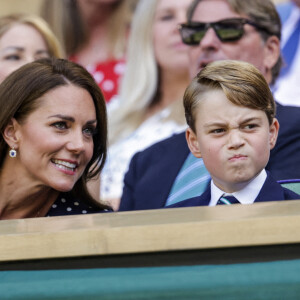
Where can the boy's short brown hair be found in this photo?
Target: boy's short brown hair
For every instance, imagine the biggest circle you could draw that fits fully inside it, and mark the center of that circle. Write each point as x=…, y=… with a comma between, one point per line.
x=241, y=82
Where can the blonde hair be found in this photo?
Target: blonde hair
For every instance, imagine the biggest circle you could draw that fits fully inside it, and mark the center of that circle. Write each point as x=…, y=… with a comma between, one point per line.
x=241, y=82
x=65, y=20
x=140, y=85
x=53, y=45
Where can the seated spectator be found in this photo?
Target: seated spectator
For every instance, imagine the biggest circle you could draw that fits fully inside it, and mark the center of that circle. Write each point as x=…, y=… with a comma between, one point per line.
x=230, y=111
x=15, y=50
x=161, y=175
x=287, y=88
x=94, y=34
x=53, y=125
x=150, y=107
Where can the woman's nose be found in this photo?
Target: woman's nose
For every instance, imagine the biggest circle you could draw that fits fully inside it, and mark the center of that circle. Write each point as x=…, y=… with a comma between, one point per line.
x=76, y=142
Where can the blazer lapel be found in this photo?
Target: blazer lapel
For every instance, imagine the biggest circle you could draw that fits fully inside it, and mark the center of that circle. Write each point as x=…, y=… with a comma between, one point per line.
x=171, y=161
x=271, y=191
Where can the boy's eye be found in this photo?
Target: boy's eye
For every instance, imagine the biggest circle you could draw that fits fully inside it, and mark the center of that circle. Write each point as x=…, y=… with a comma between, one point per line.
x=218, y=130
x=60, y=125
x=250, y=126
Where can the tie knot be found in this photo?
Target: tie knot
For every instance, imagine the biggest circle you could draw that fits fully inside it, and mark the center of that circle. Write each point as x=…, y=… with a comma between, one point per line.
x=227, y=200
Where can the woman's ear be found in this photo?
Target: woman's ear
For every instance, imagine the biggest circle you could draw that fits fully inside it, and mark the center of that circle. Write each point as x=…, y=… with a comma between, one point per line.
x=193, y=143
x=10, y=134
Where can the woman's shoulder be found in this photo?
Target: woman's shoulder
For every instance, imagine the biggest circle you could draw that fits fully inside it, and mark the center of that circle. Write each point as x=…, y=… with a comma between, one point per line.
x=67, y=204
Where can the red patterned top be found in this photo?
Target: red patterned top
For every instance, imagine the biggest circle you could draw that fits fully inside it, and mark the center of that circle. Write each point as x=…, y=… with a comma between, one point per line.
x=107, y=74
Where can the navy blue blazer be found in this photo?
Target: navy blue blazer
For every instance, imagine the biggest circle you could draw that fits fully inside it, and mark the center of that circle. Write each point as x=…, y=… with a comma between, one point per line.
x=284, y=162
x=270, y=191
x=152, y=172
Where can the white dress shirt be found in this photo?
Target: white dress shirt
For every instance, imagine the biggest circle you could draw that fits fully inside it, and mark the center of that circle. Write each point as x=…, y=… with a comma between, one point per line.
x=245, y=196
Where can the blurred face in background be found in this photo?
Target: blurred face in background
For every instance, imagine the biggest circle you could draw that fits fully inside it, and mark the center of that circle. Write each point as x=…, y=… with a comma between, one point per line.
x=170, y=52
x=19, y=45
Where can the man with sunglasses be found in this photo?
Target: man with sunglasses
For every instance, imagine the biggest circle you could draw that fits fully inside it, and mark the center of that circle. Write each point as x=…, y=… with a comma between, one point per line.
x=216, y=30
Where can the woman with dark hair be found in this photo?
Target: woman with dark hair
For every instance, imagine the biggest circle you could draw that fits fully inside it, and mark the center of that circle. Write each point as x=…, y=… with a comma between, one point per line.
x=53, y=140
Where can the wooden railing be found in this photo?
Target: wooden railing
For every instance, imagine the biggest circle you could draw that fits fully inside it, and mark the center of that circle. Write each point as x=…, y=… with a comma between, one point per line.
x=152, y=231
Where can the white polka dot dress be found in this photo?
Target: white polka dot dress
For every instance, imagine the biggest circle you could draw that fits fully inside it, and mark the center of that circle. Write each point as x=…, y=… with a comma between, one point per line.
x=67, y=205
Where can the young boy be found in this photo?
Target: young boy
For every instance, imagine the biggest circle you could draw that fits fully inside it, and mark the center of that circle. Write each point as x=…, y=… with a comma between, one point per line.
x=230, y=112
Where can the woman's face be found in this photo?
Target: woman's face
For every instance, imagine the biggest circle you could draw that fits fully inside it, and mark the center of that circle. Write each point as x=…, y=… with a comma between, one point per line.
x=19, y=45
x=170, y=52
x=55, y=142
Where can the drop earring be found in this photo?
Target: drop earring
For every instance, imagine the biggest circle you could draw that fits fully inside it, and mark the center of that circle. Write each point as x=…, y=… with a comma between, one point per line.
x=12, y=152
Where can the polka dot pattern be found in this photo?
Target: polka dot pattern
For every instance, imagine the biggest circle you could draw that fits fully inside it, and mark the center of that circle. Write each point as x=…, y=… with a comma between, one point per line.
x=66, y=205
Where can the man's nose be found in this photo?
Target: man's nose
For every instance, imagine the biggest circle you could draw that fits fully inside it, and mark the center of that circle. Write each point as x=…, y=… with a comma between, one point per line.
x=210, y=39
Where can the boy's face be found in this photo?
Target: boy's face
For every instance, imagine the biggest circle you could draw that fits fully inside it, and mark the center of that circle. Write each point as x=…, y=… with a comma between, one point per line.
x=234, y=141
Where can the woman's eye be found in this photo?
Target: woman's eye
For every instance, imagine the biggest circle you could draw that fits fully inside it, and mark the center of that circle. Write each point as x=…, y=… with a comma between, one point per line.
x=42, y=55
x=90, y=131
x=60, y=125
x=166, y=17
x=12, y=57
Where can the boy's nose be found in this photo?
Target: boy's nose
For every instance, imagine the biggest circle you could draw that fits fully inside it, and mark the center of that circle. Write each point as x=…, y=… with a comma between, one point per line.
x=235, y=139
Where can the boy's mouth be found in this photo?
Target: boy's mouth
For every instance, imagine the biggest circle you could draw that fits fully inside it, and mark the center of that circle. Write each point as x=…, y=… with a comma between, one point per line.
x=237, y=157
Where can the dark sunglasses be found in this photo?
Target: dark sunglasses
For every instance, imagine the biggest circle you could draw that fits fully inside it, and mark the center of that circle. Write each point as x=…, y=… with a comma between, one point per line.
x=227, y=30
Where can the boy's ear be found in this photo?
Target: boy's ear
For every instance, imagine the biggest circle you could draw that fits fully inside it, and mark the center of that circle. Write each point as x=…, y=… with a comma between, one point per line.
x=193, y=143
x=274, y=128
x=10, y=133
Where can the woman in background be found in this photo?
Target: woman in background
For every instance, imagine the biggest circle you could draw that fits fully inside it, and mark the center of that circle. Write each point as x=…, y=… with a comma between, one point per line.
x=53, y=140
x=25, y=38
x=94, y=34
x=150, y=106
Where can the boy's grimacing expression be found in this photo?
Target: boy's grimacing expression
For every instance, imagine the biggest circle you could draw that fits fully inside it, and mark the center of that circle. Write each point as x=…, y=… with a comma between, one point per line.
x=234, y=141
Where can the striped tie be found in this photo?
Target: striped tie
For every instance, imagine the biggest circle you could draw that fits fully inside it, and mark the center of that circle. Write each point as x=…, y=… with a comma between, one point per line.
x=290, y=48
x=190, y=182
x=228, y=200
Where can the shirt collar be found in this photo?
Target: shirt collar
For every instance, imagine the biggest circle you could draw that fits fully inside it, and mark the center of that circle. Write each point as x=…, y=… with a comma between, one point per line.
x=246, y=196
